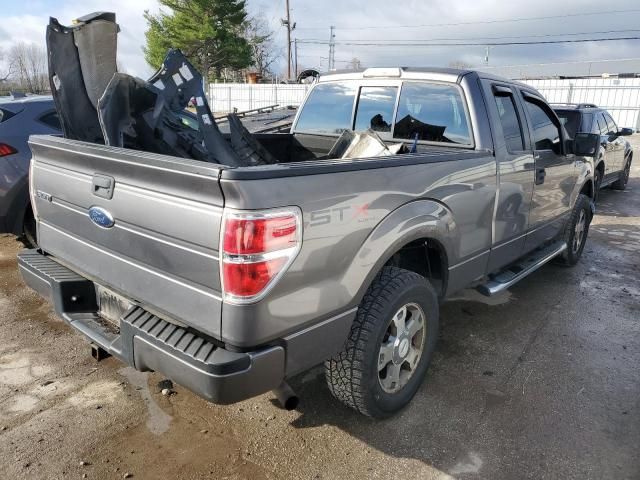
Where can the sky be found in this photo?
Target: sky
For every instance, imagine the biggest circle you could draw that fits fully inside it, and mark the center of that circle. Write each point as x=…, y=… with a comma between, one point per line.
x=385, y=20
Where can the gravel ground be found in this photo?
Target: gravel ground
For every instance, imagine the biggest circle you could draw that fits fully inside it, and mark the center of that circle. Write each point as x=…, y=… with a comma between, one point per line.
x=542, y=382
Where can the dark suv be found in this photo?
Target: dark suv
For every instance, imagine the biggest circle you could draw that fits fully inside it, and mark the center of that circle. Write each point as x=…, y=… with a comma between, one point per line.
x=613, y=161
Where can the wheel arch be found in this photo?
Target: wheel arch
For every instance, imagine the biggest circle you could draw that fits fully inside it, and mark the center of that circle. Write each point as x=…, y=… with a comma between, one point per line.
x=588, y=188
x=418, y=236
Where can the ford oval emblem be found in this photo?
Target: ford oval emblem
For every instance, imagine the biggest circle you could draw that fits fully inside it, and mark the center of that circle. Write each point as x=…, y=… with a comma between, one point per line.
x=101, y=217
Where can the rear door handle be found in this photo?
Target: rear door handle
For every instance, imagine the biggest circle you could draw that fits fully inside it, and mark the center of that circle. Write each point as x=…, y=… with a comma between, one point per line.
x=540, y=174
x=102, y=186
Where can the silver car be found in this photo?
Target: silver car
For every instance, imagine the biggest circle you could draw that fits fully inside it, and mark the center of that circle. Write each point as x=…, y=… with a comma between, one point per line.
x=21, y=116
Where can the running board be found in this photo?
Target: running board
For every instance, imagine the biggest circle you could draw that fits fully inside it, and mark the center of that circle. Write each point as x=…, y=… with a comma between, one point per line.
x=517, y=271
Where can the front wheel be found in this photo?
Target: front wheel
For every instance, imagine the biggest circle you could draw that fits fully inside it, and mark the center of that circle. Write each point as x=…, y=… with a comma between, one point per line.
x=577, y=230
x=389, y=347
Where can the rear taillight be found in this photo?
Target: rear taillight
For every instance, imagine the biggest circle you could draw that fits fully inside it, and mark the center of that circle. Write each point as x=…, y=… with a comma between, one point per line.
x=6, y=150
x=257, y=247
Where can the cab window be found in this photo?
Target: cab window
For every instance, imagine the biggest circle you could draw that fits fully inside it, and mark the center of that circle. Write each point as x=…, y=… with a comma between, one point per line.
x=375, y=108
x=432, y=112
x=612, y=128
x=510, y=122
x=328, y=109
x=546, y=135
x=602, y=125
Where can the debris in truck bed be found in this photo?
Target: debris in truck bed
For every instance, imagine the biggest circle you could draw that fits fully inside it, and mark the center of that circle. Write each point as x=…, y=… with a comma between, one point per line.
x=75, y=77
x=361, y=145
x=246, y=146
x=98, y=104
x=178, y=82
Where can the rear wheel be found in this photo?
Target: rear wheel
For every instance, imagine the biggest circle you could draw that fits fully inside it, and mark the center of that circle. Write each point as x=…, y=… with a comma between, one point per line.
x=29, y=235
x=621, y=183
x=577, y=230
x=389, y=347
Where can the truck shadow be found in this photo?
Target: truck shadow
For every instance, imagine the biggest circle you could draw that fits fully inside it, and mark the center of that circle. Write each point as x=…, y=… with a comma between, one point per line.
x=479, y=348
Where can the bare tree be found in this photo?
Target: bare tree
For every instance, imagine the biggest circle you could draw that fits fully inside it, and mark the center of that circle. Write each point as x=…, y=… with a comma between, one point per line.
x=5, y=67
x=30, y=63
x=263, y=50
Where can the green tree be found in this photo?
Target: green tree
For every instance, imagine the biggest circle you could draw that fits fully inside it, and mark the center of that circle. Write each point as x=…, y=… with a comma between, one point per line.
x=209, y=33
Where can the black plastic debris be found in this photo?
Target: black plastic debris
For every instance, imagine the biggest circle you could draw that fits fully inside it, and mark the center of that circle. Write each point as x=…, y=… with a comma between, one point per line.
x=76, y=79
x=248, y=149
x=100, y=105
x=177, y=82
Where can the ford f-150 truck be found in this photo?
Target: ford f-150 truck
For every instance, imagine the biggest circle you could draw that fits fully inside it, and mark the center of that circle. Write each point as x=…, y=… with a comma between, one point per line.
x=230, y=280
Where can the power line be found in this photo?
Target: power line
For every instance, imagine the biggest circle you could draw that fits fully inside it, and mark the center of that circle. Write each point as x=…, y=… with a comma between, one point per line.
x=575, y=62
x=482, y=38
x=483, y=22
x=466, y=44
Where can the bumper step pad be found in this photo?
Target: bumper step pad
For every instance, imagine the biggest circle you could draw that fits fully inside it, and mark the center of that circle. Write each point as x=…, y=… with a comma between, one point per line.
x=149, y=343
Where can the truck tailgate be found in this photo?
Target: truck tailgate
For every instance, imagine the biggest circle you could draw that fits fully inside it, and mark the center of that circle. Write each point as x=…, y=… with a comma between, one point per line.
x=161, y=250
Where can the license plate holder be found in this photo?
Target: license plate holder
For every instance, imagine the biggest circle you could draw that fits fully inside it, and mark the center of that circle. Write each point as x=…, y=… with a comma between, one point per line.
x=111, y=305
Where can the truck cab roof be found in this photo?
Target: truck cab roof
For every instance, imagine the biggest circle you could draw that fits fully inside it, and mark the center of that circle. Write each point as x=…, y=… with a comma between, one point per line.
x=442, y=74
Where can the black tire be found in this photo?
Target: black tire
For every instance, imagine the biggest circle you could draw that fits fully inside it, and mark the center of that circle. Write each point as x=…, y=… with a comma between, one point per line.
x=575, y=246
x=353, y=376
x=622, y=181
x=29, y=235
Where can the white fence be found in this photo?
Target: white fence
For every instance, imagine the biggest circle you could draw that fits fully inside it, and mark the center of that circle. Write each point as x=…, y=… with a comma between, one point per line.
x=620, y=96
x=225, y=97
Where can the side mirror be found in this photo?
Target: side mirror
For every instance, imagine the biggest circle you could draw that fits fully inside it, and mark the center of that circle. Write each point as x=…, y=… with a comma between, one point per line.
x=624, y=132
x=586, y=144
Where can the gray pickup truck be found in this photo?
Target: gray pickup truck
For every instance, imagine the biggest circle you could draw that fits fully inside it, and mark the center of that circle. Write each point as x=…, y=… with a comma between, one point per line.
x=229, y=280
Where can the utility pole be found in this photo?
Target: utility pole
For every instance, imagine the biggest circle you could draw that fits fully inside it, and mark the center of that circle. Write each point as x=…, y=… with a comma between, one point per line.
x=332, y=49
x=295, y=56
x=286, y=22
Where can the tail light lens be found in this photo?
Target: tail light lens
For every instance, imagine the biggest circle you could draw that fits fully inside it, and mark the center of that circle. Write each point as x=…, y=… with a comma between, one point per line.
x=6, y=149
x=257, y=248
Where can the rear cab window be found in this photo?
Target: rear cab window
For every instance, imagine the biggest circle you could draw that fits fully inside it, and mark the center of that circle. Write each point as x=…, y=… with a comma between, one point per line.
x=375, y=108
x=432, y=112
x=328, y=109
x=411, y=110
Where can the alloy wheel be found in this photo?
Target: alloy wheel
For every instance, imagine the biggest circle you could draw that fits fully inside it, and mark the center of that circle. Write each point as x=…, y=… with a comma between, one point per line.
x=579, y=231
x=402, y=347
